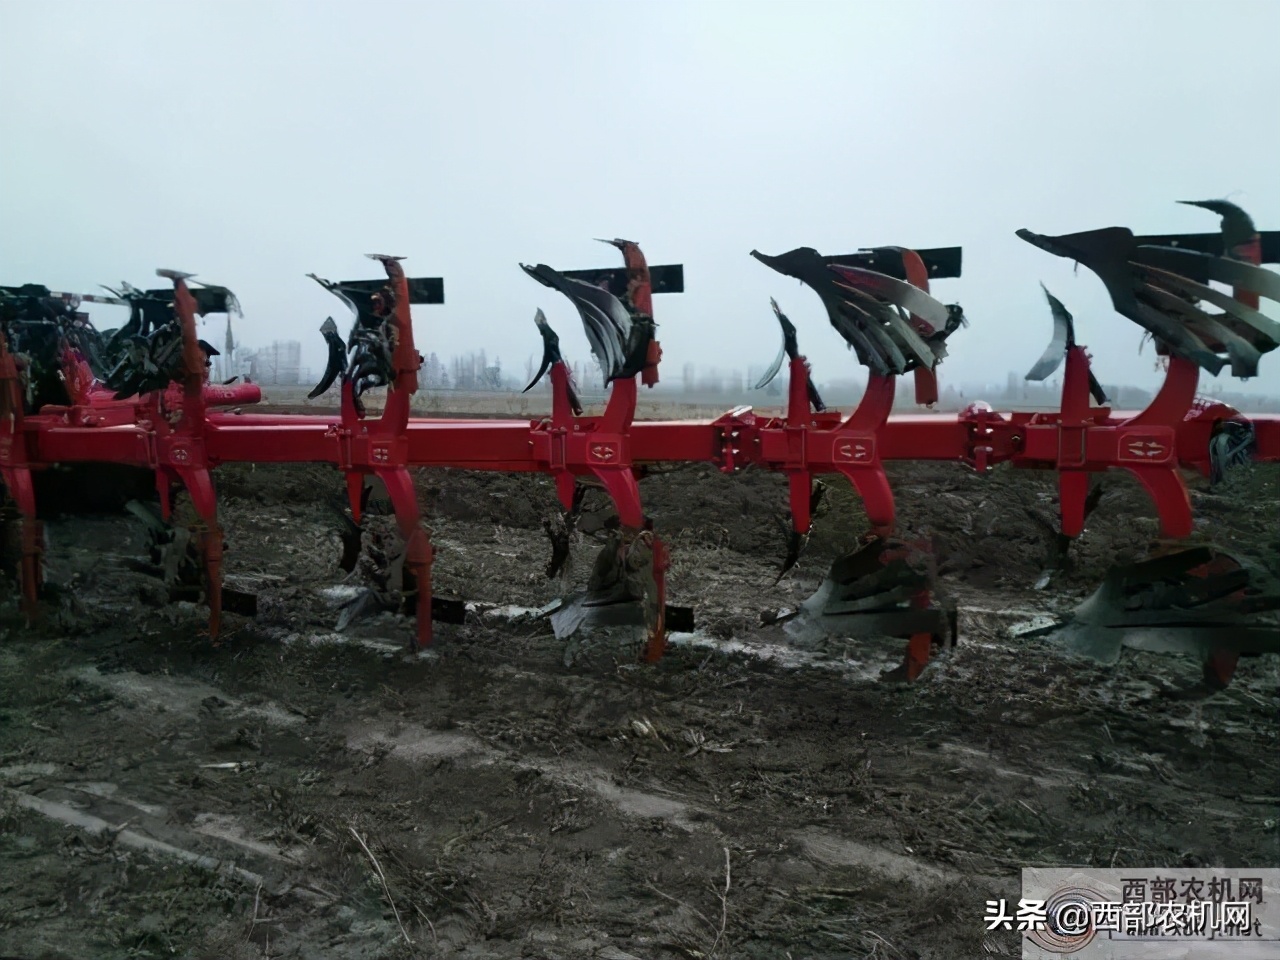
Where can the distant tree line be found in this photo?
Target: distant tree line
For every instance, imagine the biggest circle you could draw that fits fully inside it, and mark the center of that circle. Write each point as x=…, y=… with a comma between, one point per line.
x=476, y=371
x=470, y=371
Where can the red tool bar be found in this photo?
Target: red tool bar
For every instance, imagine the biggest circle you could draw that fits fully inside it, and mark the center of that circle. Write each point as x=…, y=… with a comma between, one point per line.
x=926, y=437
x=265, y=439
x=1030, y=439
x=677, y=441
x=50, y=443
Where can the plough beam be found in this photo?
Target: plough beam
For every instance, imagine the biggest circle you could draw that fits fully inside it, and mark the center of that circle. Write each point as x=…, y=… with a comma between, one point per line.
x=141, y=396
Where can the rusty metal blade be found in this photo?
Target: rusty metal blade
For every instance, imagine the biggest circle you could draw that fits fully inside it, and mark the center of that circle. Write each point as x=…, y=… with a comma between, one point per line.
x=616, y=341
x=900, y=328
x=1202, y=267
x=789, y=347
x=1243, y=355
x=550, y=348
x=808, y=266
x=1108, y=253
x=1063, y=337
x=850, y=314
x=1265, y=329
x=336, y=290
x=908, y=296
x=602, y=334
x=772, y=372
x=1237, y=225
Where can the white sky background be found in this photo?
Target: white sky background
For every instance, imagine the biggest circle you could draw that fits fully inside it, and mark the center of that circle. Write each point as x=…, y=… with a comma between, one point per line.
x=254, y=142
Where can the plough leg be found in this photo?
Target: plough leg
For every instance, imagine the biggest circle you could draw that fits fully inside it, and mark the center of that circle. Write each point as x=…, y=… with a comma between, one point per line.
x=918, y=649
x=920, y=643
x=657, y=640
x=566, y=489
x=863, y=468
x=199, y=485
x=164, y=490
x=1219, y=664
x=211, y=552
x=800, y=484
x=18, y=481
x=32, y=565
x=1220, y=667
x=355, y=494
x=623, y=489
x=419, y=553
x=877, y=496
x=1073, y=496
x=1169, y=494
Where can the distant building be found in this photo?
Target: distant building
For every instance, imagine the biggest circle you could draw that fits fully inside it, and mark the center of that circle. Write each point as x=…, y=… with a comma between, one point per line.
x=278, y=364
x=230, y=362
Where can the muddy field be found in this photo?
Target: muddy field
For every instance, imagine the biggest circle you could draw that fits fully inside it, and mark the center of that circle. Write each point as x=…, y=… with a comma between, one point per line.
x=300, y=792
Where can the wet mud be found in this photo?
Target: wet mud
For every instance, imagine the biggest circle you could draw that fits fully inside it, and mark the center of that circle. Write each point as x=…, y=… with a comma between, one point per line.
x=296, y=791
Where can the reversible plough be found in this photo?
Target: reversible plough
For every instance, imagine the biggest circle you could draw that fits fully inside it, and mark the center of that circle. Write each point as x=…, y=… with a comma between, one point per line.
x=141, y=396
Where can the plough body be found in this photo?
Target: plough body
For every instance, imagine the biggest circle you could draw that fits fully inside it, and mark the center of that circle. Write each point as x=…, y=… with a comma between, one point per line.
x=879, y=300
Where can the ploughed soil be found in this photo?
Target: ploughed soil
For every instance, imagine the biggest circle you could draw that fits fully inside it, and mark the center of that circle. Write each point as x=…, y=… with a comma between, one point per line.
x=295, y=791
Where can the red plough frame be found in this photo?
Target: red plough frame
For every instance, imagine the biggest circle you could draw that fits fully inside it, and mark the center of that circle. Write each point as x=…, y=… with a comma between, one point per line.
x=181, y=435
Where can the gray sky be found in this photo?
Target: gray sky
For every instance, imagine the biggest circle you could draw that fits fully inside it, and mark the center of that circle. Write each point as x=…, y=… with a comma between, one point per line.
x=254, y=142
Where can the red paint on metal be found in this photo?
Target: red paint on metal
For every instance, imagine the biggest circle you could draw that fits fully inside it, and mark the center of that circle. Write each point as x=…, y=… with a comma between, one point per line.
x=178, y=434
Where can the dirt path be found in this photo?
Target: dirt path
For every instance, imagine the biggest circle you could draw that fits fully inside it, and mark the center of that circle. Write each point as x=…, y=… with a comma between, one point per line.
x=296, y=792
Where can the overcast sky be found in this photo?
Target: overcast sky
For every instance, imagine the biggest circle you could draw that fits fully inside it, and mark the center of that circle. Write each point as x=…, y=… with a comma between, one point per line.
x=254, y=142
